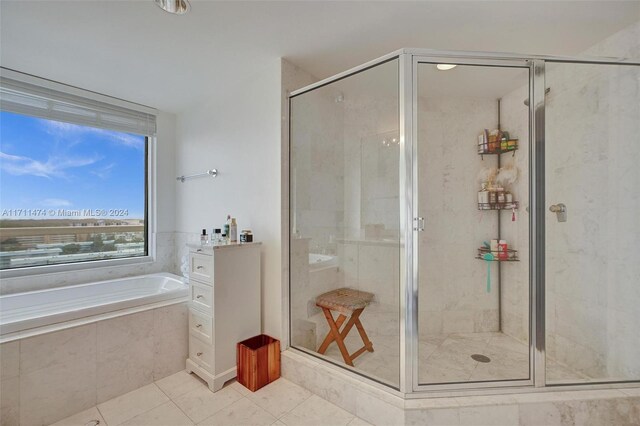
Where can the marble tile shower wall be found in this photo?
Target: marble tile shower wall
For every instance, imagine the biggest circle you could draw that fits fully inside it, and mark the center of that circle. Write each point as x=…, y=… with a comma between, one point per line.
x=165, y=262
x=594, y=299
x=52, y=376
x=453, y=297
x=592, y=294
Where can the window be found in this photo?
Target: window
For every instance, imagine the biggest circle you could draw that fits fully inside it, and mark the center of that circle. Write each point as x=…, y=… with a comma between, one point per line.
x=73, y=177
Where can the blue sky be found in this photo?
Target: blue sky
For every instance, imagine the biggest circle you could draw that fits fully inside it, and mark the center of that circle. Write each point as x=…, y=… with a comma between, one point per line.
x=51, y=165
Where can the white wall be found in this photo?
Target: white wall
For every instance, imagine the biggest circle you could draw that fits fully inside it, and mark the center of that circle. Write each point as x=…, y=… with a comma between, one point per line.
x=238, y=132
x=164, y=229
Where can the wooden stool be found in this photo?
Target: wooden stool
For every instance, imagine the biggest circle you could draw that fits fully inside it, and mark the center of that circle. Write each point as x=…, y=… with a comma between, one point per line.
x=346, y=301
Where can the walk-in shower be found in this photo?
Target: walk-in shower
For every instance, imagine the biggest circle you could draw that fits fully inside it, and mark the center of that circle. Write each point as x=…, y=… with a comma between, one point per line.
x=490, y=210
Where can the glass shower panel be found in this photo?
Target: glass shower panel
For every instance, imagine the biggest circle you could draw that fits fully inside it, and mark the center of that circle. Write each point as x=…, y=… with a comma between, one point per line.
x=345, y=222
x=593, y=235
x=473, y=256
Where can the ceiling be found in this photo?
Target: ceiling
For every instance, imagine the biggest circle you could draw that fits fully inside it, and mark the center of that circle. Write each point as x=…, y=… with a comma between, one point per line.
x=135, y=51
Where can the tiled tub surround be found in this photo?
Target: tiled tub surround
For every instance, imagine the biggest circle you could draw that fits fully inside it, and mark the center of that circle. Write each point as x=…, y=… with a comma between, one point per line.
x=36, y=312
x=52, y=376
x=371, y=403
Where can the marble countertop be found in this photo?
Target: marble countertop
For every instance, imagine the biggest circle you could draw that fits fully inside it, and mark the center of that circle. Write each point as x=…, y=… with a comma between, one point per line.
x=209, y=247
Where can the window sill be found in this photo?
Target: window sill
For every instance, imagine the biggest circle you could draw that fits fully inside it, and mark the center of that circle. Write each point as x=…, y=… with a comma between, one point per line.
x=74, y=267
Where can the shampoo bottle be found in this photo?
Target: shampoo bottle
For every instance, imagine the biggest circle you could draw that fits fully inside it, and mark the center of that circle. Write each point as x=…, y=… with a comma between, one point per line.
x=233, y=231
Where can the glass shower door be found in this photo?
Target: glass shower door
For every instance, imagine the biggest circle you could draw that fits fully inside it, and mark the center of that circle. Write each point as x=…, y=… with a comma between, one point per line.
x=345, y=222
x=472, y=147
x=592, y=223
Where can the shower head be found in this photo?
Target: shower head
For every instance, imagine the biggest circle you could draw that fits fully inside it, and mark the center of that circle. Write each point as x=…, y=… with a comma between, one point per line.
x=526, y=101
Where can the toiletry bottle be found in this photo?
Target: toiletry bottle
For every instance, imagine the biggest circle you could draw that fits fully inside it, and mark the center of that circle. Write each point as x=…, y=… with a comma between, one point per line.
x=204, y=238
x=217, y=236
x=233, y=231
x=226, y=226
x=483, y=197
x=502, y=250
x=223, y=239
x=494, y=247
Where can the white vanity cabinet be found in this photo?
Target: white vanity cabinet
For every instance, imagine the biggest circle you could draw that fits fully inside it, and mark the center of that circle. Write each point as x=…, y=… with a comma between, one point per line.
x=224, y=309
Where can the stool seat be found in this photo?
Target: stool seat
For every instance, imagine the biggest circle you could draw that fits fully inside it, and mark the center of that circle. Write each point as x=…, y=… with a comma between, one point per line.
x=344, y=300
x=347, y=302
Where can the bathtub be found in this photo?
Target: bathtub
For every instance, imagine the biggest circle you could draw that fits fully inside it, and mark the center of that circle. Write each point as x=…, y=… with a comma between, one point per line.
x=35, y=312
x=321, y=261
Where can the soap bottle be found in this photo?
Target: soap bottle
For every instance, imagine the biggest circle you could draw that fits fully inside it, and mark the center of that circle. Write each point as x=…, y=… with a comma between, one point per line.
x=233, y=231
x=204, y=238
x=227, y=225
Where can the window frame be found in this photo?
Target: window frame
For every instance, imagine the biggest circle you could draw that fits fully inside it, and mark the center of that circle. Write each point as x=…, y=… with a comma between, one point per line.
x=150, y=225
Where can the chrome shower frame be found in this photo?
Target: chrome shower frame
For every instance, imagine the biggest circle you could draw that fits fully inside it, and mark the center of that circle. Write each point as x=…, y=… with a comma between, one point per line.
x=409, y=59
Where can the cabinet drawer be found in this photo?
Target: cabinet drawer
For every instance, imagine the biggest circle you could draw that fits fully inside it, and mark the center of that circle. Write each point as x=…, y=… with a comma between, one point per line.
x=200, y=326
x=201, y=266
x=201, y=353
x=201, y=296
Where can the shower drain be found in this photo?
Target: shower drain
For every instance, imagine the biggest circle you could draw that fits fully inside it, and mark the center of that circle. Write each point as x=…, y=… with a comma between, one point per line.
x=480, y=358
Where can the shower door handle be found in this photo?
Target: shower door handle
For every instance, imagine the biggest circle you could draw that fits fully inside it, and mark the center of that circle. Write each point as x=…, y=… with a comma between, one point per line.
x=560, y=210
x=419, y=224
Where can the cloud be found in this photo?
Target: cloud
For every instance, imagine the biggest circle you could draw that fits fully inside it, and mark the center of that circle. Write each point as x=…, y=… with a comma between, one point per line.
x=104, y=172
x=55, y=202
x=53, y=167
x=66, y=130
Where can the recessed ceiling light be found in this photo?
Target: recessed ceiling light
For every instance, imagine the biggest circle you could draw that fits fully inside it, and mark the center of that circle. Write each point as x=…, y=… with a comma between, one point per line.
x=445, y=67
x=179, y=7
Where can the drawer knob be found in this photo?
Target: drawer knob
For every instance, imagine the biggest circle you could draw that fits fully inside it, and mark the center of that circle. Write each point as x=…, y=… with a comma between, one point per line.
x=199, y=296
x=199, y=354
x=199, y=267
x=198, y=325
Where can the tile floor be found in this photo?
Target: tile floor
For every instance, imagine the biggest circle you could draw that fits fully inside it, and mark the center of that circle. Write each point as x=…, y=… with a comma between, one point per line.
x=183, y=399
x=447, y=358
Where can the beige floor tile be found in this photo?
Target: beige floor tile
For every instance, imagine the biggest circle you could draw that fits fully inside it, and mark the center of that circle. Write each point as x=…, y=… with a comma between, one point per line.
x=279, y=397
x=201, y=403
x=238, y=387
x=242, y=412
x=180, y=383
x=357, y=421
x=82, y=418
x=316, y=411
x=167, y=414
x=129, y=405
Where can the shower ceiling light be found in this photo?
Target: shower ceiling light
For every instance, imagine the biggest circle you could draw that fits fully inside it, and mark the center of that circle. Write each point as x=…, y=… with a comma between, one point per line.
x=445, y=67
x=179, y=7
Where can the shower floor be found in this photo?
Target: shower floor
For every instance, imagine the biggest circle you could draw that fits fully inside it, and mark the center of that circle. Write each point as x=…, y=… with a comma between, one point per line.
x=447, y=358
